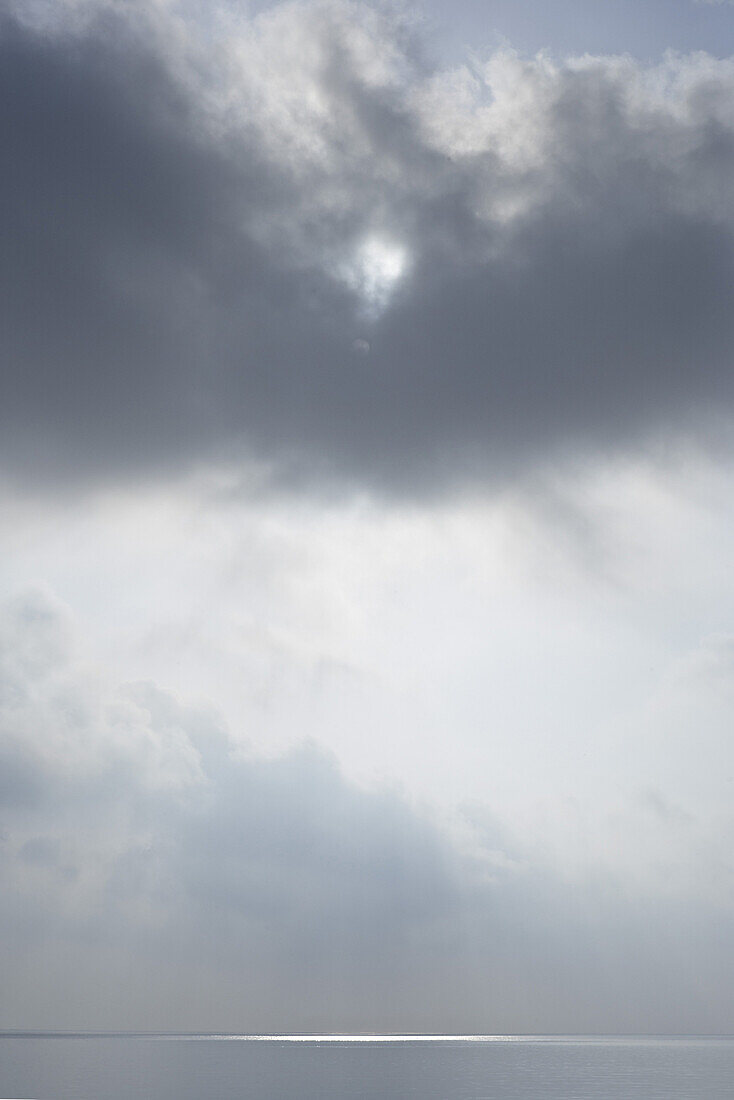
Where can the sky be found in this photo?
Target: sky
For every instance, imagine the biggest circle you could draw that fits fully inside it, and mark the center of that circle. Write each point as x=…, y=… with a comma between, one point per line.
x=366, y=466
x=644, y=30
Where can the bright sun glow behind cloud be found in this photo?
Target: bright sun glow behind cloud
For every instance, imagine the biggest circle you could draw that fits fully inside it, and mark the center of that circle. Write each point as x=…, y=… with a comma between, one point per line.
x=378, y=265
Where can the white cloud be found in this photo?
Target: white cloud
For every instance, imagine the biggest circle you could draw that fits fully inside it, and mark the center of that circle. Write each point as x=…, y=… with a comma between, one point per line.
x=178, y=880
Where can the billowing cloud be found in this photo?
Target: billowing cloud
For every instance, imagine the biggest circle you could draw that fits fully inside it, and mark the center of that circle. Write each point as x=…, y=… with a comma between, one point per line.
x=156, y=874
x=291, y=240
x=133, y=826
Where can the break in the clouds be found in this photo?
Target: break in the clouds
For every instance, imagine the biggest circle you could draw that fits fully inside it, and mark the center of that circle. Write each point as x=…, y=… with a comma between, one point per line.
x=293, y=240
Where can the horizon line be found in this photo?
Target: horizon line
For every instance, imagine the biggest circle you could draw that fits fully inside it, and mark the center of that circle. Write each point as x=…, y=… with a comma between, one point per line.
x=354, y=1037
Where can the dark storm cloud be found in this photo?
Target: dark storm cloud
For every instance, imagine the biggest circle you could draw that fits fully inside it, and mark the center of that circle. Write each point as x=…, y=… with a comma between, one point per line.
x=154, y=874
x=182, y=277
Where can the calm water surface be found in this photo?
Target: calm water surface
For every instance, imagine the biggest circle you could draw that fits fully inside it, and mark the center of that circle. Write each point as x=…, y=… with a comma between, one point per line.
x=492, y=1068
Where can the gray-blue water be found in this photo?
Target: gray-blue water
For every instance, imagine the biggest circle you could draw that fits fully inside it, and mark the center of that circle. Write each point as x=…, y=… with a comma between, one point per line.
x=224, y=1068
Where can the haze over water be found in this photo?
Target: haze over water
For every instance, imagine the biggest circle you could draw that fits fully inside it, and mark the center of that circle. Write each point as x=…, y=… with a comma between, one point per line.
x=221, y=1067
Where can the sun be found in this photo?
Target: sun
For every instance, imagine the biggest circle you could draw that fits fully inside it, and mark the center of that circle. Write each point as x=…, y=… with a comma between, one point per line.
x=379, y=263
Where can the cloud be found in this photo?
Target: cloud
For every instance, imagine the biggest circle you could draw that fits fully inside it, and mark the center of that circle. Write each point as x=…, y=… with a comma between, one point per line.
x=132, y=826
x=206, y=225
x=290, y=243
x=155, y=874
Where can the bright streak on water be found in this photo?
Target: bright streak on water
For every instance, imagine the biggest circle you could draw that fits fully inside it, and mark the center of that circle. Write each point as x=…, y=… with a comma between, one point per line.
x=365, y=1067
x=334, y=1038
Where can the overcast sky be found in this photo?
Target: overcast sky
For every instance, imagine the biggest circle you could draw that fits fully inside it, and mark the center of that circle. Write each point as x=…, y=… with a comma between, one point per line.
x=366, y=619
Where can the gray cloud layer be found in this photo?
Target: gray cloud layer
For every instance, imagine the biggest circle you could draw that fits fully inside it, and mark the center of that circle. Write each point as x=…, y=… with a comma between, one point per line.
x=201, y=233
x=154, y=875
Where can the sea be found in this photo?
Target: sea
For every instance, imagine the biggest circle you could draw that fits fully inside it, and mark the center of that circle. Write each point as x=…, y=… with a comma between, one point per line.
x=56, y=1066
